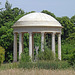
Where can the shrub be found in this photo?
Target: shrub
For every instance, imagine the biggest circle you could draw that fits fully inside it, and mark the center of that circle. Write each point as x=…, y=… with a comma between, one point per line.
x=46, y=55
x=45, y=65
x=25, y=58
x=27, y=65
x=53, y=65
x=72, y=57
x=2, y=53
x=67, y=50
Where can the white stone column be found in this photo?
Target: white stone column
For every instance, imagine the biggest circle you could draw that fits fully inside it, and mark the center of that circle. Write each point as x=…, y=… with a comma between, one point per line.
x=20, y=44
x=15, y=48
x=59, y=46
x=33, y=46
x=53, y=43
x=30, y=44
x=42, y=41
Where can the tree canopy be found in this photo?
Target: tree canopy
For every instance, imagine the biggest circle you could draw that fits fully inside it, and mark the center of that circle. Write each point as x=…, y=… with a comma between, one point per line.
x=49, y=13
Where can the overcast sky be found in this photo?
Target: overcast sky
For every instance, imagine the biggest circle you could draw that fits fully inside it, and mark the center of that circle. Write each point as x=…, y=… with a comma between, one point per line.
x=58, y=7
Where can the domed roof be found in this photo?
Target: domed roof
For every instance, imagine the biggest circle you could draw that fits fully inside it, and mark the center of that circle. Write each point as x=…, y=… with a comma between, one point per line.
x=37, y=19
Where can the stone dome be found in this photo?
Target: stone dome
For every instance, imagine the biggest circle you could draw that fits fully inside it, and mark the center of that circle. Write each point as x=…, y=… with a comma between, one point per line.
x=37, y=19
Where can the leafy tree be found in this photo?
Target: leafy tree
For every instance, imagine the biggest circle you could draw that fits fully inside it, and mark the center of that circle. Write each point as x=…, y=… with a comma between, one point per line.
x=6, y=41
x=73, y=21
x=67, y=50
x=29, y=12
x=68, y=26
x=49, y=13
x=16, y=11
x=7, y=5
x=71, y=38
x=7, y=18
x=72, y=57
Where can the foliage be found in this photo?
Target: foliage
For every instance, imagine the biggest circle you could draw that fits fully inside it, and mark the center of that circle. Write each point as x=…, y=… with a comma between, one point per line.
x=8, y=66
x=37, y=39
x=7, y=18
x=45, y=65
x=72, y=57
x=71, y=38
x=67, y=50
x=71, y=42
x=2, y=54
x=68, y=46
x=27, y=65
x=25, y=58
x=46, y=55
x=7, y=5
x=53, y=65
x=29, y=12
x=68, y=26
x=7, y=43
x=73, y=19
x=48, y=40
x=49, y=13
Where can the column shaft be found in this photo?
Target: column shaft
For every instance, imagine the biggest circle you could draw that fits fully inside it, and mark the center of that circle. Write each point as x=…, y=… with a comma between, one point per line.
x=33, y=46
x=30, y=45
x=59, y=46
x=20, y=44
x=53, y=43
x=15, y=48
x=42, y=41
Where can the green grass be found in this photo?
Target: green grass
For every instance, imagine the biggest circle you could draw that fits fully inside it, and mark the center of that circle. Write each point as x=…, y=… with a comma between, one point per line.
x=8, y=66
x=53, y=65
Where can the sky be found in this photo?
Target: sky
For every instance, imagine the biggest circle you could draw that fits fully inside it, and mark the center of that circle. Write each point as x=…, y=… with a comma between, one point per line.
x=59, y=7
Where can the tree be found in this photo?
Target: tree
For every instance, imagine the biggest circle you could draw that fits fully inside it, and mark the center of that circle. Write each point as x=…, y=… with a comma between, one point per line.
x=7, y=18
x=16, y=11
x=49, y=13
x=6, y=41
x=68, y=26
x=73, y=21
x=29, y=12
x=72, y=57
x=71, y=39
x=7, y=5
